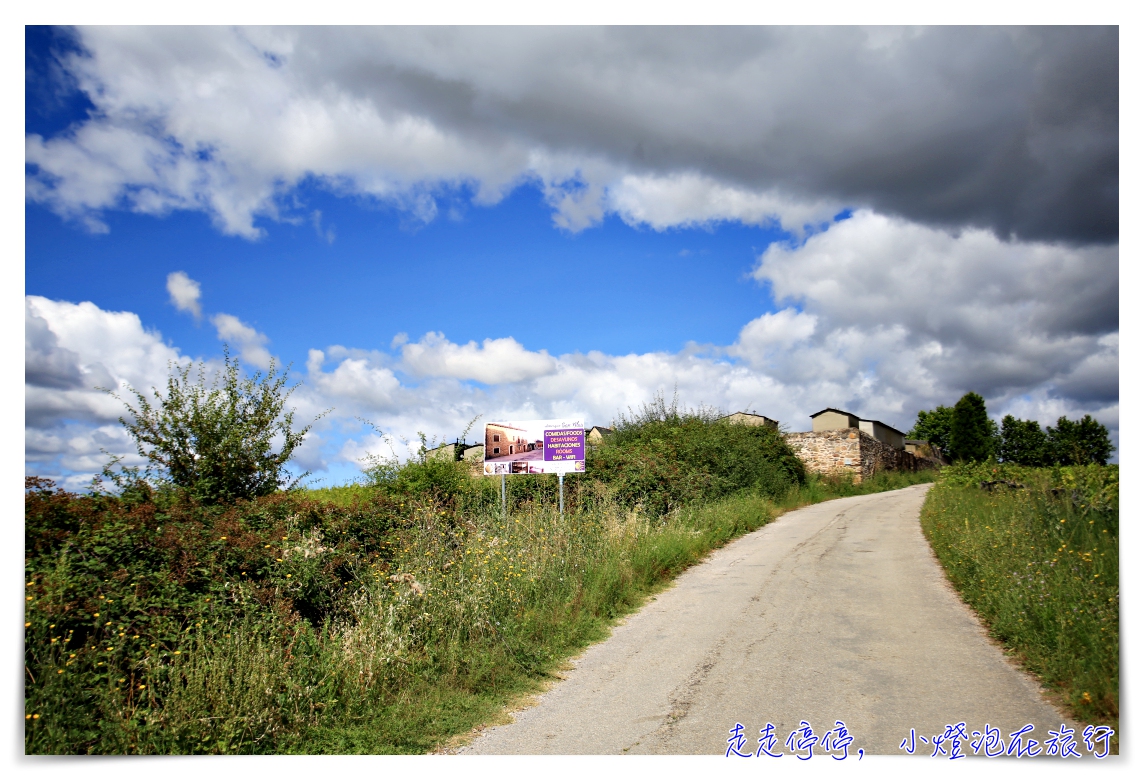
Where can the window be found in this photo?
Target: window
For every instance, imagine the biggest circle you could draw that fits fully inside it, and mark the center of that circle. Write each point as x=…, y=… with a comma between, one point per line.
x=496, y=437
x=496, y=450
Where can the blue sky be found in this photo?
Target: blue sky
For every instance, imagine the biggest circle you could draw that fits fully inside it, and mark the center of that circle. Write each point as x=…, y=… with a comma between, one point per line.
x=637, y=290
x=567, y=222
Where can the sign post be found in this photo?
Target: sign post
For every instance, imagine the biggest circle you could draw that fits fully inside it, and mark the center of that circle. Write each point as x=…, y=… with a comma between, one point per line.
x=534, y=447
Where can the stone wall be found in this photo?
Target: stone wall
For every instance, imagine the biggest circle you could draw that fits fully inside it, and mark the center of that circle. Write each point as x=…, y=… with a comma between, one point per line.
x=849, y=450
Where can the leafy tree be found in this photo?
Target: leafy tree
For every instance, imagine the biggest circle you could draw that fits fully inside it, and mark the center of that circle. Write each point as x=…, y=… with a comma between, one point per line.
x=217, y=442
x=1079, y=443
x=971, y=437
x=1023, y=442
x=934, y=426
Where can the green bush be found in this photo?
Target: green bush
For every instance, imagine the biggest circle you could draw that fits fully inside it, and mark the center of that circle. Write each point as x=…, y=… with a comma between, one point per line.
x=120, y=590
x=662, y=459
x=216, y=440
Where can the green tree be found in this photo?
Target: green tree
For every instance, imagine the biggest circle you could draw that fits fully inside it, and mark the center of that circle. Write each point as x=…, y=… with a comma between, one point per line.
x=220, y=442
x=934, y=426
x=1023, y=442
x=1079, y=443
x=971, y=435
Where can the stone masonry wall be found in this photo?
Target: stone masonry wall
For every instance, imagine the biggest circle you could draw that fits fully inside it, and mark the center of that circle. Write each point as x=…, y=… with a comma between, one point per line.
x=849, y=450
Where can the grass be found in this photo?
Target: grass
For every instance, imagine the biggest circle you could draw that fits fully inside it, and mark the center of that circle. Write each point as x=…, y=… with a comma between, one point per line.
x=442, y=621
x=1038, y=560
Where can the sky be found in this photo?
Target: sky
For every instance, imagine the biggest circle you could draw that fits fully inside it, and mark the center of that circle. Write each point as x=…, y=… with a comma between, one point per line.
x=431, y=224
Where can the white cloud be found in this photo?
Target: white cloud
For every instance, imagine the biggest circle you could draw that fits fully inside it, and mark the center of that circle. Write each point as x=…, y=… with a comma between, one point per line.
x=494, y=361
x=688, y=199
x=185, y=293
x=251, y=343
x=777, y=331
x=72, y=350
x=879, y=316
x=969, y=311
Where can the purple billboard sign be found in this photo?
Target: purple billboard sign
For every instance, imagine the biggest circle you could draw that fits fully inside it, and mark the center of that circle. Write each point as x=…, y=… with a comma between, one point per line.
x=563, y=445
x=534, y=447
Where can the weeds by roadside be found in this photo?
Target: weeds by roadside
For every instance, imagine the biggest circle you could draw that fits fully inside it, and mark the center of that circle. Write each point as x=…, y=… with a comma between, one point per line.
x=379, y=618
x=1036, y=553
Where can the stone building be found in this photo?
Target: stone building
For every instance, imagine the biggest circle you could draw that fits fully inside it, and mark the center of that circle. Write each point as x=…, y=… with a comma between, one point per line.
x=842, y=443
x=502, y=440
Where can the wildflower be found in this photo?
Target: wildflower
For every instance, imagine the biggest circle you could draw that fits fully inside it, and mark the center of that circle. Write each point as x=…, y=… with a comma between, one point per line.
x=35, y=717
x=59, y=671
x=27, y=625
x=178, y=652
x=222, y=538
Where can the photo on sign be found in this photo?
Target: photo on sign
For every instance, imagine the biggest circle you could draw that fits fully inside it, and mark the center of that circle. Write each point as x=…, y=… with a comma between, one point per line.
x=534, y=447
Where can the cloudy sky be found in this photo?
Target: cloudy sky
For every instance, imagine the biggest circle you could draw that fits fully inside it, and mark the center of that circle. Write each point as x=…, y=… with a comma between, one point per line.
x=430, y=224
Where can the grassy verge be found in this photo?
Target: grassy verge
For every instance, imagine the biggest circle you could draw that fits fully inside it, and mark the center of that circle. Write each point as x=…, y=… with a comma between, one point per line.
x=571, y=581
x=1038, y=560
x=367, y=619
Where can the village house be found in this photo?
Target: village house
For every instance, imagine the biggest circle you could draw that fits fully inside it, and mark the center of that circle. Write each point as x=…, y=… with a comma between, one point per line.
x=596, y=434
x=842, y=442
x=883, y=433
x=501, y=440
x=750, y=418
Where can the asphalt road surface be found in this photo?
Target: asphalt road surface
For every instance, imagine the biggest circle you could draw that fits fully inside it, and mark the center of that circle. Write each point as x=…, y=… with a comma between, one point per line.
x=835, y=612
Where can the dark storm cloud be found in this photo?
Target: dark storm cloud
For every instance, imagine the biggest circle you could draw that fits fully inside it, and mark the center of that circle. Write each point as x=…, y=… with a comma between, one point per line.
x=1010, y=129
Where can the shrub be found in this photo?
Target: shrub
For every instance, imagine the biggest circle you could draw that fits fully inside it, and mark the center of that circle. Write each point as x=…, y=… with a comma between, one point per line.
x=216, y=441
x=119, y=591
x=662, y=458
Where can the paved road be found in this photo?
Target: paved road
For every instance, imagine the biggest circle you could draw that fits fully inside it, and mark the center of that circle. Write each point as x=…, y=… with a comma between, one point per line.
x=835, y=612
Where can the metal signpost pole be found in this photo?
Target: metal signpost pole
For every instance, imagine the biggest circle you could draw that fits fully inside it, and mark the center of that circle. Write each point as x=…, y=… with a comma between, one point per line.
x=561, y=475
x=503, y=509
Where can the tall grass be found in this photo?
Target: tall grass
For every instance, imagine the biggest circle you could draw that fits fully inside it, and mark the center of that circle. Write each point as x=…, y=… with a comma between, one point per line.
x=1036, y=553
x=380, y=618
